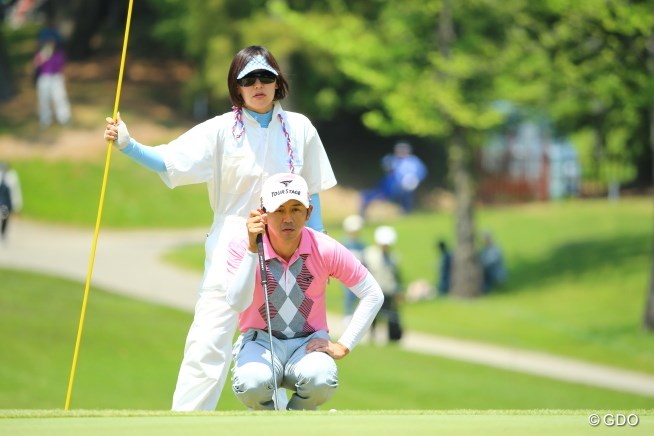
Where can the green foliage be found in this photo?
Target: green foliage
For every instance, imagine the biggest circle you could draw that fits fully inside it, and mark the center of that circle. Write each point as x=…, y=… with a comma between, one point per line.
x=130, y=352
x=587, y=67
x=406, y=84
x=389, y=63
x=598, y=70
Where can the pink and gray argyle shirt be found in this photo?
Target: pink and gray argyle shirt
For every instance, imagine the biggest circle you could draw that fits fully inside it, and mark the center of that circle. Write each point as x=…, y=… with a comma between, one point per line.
x=296, y=289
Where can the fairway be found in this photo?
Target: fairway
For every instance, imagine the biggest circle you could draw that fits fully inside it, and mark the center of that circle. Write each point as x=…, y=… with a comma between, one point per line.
x=457, y=422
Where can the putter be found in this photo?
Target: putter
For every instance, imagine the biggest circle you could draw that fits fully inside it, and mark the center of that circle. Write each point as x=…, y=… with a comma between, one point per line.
x=264, y=285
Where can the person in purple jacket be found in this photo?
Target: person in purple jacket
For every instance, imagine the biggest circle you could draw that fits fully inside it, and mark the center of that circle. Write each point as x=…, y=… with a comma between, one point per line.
x=49, y=62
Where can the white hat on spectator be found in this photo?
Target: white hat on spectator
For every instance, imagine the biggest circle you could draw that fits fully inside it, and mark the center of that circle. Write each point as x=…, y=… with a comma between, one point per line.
x=353, y=223
x=385, y=235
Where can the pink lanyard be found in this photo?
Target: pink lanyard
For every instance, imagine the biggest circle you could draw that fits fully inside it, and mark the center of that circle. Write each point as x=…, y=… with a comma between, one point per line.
x=238, y=129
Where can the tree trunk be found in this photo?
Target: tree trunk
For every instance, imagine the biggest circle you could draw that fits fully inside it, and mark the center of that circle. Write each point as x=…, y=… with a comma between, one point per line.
x=648, y=319
x=7, y=85
x=466, y=270
x=88, y=18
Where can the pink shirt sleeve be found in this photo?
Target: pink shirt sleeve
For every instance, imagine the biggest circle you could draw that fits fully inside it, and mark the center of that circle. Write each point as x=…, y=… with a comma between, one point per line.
x=330, y=259
x=344, y=267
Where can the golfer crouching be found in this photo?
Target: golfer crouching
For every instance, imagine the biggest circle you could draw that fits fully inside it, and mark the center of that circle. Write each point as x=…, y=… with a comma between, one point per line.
x=298, y=263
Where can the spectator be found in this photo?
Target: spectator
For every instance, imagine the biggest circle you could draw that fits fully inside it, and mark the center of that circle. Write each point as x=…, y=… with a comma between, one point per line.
x=383, y=266
x=352, y=241
x=404, y=171
x=49, y=62
x=492, y=262
x=298, y=261
x=444, y=268
x=11, y=198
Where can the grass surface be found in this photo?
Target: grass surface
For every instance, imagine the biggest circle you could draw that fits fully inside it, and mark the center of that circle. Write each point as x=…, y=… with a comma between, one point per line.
x=130, y=354
x=68, y=193
x=459, y=422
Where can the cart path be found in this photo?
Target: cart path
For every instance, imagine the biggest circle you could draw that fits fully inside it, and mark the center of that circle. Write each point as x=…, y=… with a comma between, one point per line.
x=129, y=263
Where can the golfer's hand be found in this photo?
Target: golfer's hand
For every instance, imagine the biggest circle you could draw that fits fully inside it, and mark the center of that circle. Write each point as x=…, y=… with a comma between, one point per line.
x=333, y=349
x=256, y=224
x=116, y=131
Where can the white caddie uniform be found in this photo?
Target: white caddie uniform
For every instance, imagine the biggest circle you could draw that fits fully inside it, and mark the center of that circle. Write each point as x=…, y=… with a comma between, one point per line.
x=234, y=171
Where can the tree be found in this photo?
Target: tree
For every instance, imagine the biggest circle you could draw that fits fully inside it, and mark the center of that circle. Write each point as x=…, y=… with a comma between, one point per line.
x=599, y=72
x=7, y=86
x=648, y=318
x=417, y=64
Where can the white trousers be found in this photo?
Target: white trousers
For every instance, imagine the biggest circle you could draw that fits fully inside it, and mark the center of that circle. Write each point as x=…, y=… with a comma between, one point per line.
x=207, y=354
x=52, y=97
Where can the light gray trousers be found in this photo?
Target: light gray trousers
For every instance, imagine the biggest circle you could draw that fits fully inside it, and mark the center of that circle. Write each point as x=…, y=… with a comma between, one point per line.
x=313, y=377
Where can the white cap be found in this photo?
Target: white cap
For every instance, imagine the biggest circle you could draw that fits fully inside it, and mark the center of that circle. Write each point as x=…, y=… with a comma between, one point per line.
x=282, y=187
x=256, y=63
x=353, y=223
x=385, y=235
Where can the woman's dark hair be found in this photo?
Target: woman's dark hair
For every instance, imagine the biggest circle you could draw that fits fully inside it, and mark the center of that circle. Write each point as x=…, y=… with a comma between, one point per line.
x=241, y=60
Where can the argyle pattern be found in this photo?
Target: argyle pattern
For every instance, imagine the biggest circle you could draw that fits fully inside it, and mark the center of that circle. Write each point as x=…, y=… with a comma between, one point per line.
x=289, y=305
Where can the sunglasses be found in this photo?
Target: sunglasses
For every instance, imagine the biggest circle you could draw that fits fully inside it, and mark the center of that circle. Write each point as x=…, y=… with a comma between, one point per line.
x=265, y=78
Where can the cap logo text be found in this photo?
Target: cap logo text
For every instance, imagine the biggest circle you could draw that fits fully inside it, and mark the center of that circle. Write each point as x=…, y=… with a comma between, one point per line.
x=285, y=191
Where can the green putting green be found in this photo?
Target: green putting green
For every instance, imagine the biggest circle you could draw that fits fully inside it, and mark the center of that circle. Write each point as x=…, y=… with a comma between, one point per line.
x=389, y=422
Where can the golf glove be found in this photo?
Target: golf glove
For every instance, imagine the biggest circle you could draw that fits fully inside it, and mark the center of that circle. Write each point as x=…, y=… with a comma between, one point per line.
x=123, y=136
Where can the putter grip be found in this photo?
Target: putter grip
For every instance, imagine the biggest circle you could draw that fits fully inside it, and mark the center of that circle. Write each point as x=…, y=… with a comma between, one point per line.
x=262, y=265
x=260, y=245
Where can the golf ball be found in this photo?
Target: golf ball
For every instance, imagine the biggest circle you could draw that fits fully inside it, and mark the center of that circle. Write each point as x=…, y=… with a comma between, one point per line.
x=332, y=410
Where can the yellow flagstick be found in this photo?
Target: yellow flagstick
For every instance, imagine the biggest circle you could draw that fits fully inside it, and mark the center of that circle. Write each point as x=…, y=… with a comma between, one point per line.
x=99, y=216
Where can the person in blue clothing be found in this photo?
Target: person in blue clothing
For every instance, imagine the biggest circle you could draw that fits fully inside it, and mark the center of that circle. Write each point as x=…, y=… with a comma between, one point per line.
x=404, y=172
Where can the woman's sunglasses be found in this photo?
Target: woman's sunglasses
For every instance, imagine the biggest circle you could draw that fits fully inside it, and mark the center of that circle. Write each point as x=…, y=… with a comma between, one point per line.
x=264, y=77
